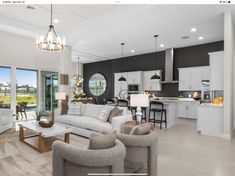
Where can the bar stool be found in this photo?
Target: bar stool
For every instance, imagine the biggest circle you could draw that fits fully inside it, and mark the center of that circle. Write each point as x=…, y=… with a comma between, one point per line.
x=122, y=103
x=154, y=109
x=143, y=110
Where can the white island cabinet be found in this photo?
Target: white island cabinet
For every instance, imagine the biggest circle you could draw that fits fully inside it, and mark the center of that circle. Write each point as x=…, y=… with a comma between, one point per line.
x=210, y=120
x=188, y=109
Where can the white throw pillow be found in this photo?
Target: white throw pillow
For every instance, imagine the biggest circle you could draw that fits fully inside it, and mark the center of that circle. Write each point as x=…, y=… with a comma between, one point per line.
x=104, y=113
x=92, y=110
x=74, y=108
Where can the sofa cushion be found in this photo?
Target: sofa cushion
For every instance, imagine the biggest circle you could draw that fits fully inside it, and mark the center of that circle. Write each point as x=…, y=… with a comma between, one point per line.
x=80, y=121
x=93, y=110
x=104, y=113
x=64, y=119
x=74, y=108
x=115, y=112
x=97, y=125
x=142, y=129
x=5, y=119
x=100, y=141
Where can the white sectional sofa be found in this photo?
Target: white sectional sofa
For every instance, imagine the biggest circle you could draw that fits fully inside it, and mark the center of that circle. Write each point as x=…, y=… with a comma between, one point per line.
x=6, y=119
x=88, y=122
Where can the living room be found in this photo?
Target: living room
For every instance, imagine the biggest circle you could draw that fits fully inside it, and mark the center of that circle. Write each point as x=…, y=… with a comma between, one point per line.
x=117, y=88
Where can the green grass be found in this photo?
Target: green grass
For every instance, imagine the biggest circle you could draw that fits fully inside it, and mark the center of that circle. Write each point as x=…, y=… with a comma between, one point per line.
x=31, y=99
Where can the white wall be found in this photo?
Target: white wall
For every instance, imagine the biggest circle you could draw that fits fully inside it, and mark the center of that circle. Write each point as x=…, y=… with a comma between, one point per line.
x=20, y=52
x=229, y=79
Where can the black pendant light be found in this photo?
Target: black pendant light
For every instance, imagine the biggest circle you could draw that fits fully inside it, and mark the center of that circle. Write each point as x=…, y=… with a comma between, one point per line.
x=122, y=78
x=155, y=76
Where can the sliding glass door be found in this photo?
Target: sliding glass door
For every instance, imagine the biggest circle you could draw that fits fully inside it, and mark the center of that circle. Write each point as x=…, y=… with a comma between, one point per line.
x=26, y=94
x=5, y=87
x=49, y=88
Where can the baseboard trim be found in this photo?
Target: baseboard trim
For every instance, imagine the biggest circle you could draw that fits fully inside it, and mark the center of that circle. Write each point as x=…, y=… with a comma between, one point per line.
x=226, y=136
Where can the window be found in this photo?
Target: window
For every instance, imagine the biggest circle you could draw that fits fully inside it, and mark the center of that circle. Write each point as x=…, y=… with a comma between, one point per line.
x=26, y=94
x=5, y=87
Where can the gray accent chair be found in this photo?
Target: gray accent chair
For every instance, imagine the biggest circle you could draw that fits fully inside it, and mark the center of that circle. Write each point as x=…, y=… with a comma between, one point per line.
x=69, y=160
x=140, y=150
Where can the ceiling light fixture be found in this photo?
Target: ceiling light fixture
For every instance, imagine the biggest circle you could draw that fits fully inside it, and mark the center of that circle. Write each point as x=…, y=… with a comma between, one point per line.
x=193, y=29
x=78, y=78
x=51, y=42
x=185, y=37
x=56, y=20
x=122, y=78
x=30, y=7
x=161, y=45
x=132, y=51
x=155, y=76
x=200, y=38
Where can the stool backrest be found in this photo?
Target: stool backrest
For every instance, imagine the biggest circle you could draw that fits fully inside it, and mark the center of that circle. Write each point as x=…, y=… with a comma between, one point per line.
x=157, y=103
x=122, y=103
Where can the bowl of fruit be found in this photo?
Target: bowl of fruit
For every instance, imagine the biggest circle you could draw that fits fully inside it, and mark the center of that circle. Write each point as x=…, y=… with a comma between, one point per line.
x=218, y=101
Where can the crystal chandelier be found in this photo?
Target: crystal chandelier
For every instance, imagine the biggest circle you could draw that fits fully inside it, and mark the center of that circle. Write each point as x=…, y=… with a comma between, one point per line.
x=51, y=42
x=78, y=78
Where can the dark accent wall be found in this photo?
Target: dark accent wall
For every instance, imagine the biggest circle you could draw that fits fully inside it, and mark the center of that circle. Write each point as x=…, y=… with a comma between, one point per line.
x=183, y=57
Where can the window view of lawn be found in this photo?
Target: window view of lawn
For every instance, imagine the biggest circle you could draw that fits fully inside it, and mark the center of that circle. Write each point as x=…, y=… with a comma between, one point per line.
x=5, y=87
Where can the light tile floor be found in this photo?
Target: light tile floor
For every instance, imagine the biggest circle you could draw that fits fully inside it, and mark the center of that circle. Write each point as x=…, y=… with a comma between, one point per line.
x=182, y=152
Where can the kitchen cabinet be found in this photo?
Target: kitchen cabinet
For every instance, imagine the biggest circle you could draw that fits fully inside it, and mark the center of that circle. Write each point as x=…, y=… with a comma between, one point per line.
x=151, y=85
x=216, y=70
x=134, y=77
x=119, y=85
x=190, y=79
x=205, y=72
x=188, y=109
x=196, y=78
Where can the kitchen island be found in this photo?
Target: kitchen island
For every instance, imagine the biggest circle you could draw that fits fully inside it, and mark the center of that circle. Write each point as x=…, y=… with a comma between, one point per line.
x=210, y=119
x=172, y=106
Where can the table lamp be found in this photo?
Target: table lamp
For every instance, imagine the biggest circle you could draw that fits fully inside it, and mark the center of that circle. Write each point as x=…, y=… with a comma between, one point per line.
x=60, y=96
x=139, y=100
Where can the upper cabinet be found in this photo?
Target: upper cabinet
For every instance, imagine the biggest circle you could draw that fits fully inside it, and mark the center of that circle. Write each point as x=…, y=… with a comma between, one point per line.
x=151, y=85
x=134, y=77
x=205, y=73
x=217, y=70
x=190, y=78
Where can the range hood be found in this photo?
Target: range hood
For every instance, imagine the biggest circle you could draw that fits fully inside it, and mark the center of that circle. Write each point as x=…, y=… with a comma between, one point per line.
x=169, y=60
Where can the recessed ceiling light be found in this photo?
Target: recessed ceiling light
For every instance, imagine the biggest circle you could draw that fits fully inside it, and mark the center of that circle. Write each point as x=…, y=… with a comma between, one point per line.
x=161, y=45
x=132, y=51
x=193, y=29
x=30, y=7
x=56, y=20
x=185, y=37
x=200, y=38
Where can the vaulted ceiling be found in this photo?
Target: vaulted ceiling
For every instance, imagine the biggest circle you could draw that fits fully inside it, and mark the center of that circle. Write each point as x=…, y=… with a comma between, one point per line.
x=95, y=31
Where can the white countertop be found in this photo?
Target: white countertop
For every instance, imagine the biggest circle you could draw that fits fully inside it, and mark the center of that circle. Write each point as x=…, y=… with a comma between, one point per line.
x=172, y=99
x=211, y=105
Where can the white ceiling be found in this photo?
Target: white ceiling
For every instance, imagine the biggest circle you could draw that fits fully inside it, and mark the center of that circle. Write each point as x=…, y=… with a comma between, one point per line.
x=95, y=31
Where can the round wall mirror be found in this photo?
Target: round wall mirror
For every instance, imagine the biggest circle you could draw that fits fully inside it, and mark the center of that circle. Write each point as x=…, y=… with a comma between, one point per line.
x=97, y=84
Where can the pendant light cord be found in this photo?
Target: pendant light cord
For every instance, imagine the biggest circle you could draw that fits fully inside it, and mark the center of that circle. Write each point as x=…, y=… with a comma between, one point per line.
x=155, y=36
x=122, y=54
x=51, y=14
x=78, y=66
